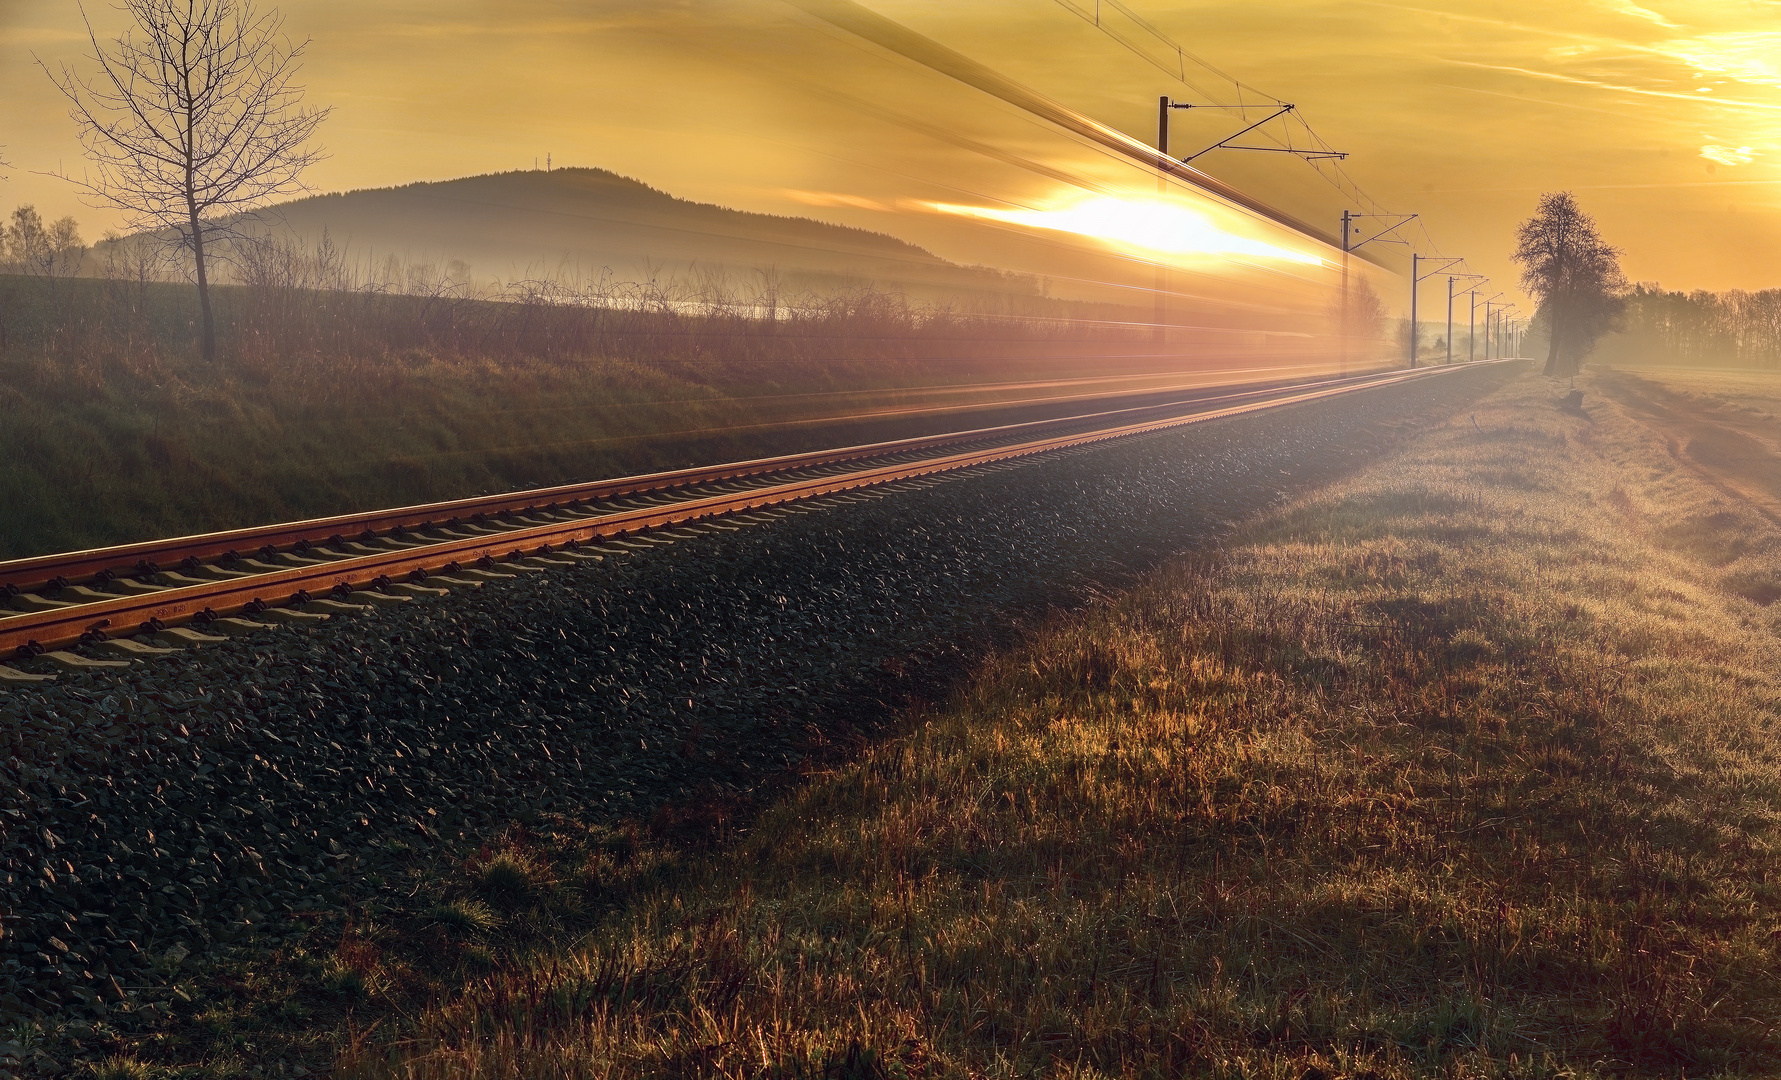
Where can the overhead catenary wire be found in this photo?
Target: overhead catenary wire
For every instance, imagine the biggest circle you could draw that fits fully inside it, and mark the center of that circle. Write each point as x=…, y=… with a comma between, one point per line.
x=1194, y=72
x=896, y=38
x=1178, y=63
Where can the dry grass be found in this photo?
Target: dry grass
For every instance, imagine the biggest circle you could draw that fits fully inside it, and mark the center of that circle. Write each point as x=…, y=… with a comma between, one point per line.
x=1756, y=392
x=331, y=401
x=1746, y=400
x=1453, y=770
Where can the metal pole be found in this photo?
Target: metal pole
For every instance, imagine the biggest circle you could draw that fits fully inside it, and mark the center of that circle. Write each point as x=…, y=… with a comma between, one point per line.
x=1347, y=223
x=1490, y=314
x=1414, y=281
x=1450, y=318
x=1160, y=303
x=1472, y=325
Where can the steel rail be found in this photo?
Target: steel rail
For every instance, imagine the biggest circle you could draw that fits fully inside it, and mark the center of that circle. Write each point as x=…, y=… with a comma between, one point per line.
x=133, y=613
x=75, y=567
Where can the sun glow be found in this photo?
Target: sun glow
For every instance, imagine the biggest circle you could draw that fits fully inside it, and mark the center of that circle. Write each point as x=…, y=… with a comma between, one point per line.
x=1728, y=155
x=1748, y=57
x=1147, y=225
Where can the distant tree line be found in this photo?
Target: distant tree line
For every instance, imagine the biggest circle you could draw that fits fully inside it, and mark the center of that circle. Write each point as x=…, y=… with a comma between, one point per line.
x=1710, y=329
x=34, y=249
x=29, y=245
x=1587, y=307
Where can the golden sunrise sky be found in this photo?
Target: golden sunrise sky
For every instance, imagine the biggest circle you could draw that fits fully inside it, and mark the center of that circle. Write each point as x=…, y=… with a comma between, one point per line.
x=1664, y=118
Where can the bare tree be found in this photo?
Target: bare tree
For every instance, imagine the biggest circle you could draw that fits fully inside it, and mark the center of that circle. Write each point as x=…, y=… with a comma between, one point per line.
x=31, y=247
x=1359, y=313
x=22, y=241
x=136, y=261
x=4, y=165
x=1368, y=312
x=194, y=123
x=67, y=249
x=1574, y=274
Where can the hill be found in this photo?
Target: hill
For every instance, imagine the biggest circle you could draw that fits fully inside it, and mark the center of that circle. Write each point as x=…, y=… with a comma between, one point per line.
x=569, y=223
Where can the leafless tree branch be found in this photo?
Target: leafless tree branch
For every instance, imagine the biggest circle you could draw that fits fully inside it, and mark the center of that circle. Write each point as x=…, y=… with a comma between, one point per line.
x=192, y=121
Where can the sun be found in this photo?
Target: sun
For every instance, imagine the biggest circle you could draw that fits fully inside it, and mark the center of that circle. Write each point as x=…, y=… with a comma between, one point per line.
x=1147, y=226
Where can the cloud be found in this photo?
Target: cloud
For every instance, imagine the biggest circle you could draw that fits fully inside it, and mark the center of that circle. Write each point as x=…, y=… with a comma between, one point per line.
x=1517, y=27
x=1624, y=7
x=835, y=198
x=1727, y=155
x=1574, y=80
x=1749, y=57
x=1624, y=113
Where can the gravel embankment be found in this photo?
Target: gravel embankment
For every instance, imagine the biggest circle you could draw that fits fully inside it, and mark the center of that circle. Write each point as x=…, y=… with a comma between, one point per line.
x=189, y=804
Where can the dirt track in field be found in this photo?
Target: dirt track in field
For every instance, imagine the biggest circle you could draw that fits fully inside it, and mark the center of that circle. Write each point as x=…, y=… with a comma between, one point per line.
x=1735, y=447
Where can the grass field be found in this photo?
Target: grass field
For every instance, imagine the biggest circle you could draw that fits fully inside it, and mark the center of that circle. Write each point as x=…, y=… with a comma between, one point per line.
x=1467, y=767
x=1725, y=428
x=1758, y=391
x=327, y=402
x=1464, y=767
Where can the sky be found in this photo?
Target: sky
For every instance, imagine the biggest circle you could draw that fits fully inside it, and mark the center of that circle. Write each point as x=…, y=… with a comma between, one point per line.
x=1663, y=118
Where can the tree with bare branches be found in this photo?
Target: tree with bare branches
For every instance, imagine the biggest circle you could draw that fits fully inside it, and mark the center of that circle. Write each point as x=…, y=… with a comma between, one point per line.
x=193, y=122
x=30, y=246
x=1574, y=274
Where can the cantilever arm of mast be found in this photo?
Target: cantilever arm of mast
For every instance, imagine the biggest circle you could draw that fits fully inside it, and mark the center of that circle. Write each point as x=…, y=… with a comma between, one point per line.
x=1383, y=236
x=856, y=19
x=1308, y=155
x=1225, y=143
x=1445, y=263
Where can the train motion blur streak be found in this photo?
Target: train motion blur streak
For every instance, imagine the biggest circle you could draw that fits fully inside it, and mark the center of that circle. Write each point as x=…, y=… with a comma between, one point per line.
x=1222, y=279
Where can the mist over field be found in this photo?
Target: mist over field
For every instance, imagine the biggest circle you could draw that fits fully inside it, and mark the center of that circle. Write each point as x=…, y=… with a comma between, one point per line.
x=576, y=226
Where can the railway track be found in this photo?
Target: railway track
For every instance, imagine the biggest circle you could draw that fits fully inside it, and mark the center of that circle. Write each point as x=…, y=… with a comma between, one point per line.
x=143, y=600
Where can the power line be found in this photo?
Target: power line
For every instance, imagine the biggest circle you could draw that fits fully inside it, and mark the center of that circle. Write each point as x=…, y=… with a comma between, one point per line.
x=1149, y=42
x=1154, y=46
x=853, y=17
x=1192, y=71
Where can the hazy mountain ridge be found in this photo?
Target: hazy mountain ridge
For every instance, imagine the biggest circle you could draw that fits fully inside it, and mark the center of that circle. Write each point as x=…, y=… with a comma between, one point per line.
x=582, y=222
